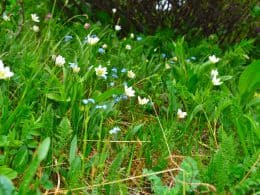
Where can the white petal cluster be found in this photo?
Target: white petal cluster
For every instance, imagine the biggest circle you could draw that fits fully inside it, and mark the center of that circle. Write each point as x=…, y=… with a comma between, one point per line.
x=101, y=71
x=181, y=114
x=35, y=18
x=60, y=61
x=129, y=91
x=142, y=101
x=5, y=72
x=213, y=59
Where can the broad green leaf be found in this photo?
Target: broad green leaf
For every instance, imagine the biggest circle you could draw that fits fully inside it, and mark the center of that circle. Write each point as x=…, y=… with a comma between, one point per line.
x=8, y=172
x=249, y=80
x=44, y=148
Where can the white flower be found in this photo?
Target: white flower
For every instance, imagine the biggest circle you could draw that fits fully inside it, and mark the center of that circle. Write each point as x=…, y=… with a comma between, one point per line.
x=142, y=101
x=214, y=73
x=36, y=28
x=117, y=28
x=167, y=66
x=114, y=10
x=35, y=18
x=5, y=72
x=101, y=71
x=75, y=67
x=129, y=91
x=163, y=5
x=175, y=58
x=216, y=81
x=132, y=35
x=60, y=61
x=128, y=47
x=6, y=17
x=213, y=59
x=104, y=46
x=130, y=74
x=181, y=114
x=92, y=39
x=115, y=130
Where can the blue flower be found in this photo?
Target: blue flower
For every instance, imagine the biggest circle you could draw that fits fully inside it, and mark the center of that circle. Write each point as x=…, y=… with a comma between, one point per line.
x=115, y=130
x=163, y=55
x=101, y=50
x=73, y=65
x=139, y=38
x=114, y=75
x=123, y=70
x=87, y=101
x=67, y=38
x=193, y=58
x=104, y=107
x=114, y=70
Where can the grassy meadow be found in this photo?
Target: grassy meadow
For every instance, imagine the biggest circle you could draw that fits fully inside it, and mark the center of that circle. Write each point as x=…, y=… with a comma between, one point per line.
x=88, y=109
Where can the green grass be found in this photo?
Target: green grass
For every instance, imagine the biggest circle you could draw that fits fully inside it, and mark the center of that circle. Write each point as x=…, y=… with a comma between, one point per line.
x=51, y=141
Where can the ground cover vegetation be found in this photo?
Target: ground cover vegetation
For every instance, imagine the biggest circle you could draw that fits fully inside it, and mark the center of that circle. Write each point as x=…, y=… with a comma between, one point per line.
x=86, y=108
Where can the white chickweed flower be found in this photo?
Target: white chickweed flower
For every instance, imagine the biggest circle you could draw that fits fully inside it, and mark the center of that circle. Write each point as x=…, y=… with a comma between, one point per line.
x=142, y=101
x=117, y=28
x=130, y=74
x=60, y=61
x=6, y=17
x=129, y=91
x=5, y=72
x=213, y=59
x=214, y=73
x=101, y=71
x=35, y=28
x=181, y=114
x=216, y=81
x=35, y=18
x=128, y=47
x=92, y=39
x=114, y=10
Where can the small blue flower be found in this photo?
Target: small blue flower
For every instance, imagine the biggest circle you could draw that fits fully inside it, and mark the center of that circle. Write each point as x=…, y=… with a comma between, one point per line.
x=67, y=38
x=172, y=62
x=114, y=75
x=104, y=107
x=114, y=70
x=101, y=50
x=115, y=130
x=87, y=101
x=112, y=84
x=193, y=58
x=163, y=55
x=73, y=65
x=139, y=38
x=123, y=70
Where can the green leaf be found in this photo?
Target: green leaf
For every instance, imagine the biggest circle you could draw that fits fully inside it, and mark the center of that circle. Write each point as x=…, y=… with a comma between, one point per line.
x=57, y=97
x=44, y=148
x=73, y=149
x=249, y=81
x=21, y=159
x=6, y=186
x=8, y=172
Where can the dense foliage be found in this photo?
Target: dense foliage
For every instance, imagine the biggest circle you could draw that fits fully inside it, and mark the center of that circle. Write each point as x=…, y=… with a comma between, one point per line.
x=230, y=20
x=85, y=109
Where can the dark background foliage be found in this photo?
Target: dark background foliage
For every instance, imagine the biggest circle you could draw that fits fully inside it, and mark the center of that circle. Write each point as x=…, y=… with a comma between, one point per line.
x=230, y=20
